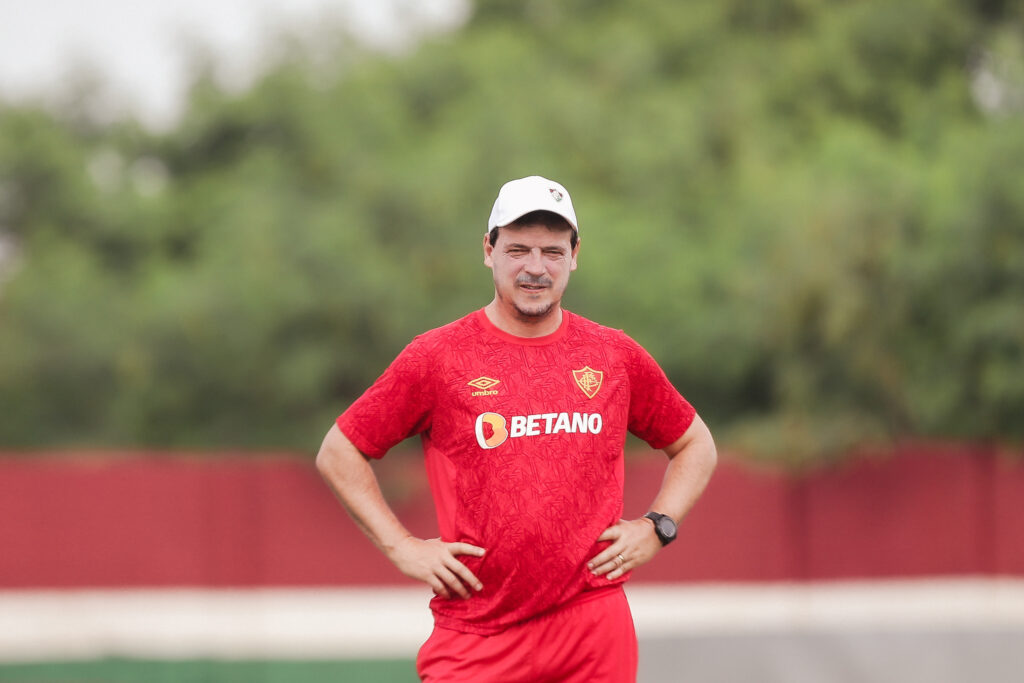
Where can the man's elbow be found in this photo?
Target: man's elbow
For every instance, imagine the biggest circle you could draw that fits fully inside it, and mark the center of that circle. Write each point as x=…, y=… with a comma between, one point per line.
x=330, y=451
x=702, y=445
x=696, y=439
x=322, y=458
x=711, y=454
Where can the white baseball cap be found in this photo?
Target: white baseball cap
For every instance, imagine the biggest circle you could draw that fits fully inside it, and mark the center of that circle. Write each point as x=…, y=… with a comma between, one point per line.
x=533, y=193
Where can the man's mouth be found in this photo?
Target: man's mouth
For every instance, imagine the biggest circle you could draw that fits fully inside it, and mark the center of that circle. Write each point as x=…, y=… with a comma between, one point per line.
x=533, y=285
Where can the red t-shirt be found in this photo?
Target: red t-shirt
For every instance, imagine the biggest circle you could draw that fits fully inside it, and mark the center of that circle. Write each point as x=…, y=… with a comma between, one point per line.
x=523, y=441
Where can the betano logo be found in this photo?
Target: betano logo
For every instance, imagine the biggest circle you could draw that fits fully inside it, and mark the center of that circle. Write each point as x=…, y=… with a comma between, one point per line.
x=485, y=385
x=492, y=429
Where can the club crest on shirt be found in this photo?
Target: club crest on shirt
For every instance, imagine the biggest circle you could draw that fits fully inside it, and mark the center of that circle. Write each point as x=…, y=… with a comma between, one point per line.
x=588, y=380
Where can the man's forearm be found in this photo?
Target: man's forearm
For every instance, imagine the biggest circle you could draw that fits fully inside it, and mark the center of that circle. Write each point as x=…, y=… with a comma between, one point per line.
x=350, y=476
x=432, y=561
x=692, y=459
x=633, y=543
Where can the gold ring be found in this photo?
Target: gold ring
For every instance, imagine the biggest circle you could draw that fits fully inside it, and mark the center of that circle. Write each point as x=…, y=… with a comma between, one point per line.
x=622, y=560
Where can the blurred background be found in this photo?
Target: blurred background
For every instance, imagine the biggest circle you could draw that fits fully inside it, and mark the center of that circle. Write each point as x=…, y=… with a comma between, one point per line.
x=219, y=222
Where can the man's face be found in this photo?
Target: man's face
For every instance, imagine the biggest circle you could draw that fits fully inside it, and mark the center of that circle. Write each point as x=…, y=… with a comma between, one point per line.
x=531, y=266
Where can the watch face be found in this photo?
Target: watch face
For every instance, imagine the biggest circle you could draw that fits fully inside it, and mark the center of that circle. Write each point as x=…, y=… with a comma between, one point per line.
x=667, y=527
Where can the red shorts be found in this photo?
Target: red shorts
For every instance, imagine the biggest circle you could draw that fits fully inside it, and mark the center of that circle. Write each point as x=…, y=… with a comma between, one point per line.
x=590, y=639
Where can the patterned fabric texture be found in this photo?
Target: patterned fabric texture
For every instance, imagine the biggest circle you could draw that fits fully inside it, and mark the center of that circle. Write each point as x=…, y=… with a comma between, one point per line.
x=523, y=442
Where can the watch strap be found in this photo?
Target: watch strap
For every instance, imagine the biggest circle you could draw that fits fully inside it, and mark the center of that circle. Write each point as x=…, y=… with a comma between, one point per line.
x=656, y=518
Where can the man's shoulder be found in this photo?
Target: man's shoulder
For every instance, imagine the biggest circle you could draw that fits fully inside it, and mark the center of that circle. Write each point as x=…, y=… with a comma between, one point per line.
x=465, y=328
x=595, y=330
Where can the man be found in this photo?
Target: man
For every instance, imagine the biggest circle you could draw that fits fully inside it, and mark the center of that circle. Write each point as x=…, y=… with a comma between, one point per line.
x=523, y=409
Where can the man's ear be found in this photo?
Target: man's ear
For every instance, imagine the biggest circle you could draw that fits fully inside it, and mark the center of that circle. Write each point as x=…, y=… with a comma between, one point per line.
x=576, y=250
x=487, y=251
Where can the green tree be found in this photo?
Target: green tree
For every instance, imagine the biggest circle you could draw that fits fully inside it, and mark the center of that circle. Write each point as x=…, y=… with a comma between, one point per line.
x=810, y=212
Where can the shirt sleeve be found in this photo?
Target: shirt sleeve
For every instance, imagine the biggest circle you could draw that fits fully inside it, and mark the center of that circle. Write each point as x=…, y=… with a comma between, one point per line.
x=398, y=405
x=658, y=413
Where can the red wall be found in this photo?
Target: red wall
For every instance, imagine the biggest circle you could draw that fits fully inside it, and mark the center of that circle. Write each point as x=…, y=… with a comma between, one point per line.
x=134, y=519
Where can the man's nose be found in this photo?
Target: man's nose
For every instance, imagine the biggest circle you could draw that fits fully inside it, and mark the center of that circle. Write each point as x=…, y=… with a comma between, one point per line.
x=534, y=263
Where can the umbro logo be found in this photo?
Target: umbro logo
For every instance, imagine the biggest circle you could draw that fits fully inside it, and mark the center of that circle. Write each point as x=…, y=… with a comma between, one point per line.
x=485, y=386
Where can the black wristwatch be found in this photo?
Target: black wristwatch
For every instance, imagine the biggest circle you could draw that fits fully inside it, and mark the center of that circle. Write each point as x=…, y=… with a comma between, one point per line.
x=664, y=526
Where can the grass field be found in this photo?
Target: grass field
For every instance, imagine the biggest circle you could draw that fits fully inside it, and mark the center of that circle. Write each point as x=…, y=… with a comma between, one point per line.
x=920, y=631
x=208, y=671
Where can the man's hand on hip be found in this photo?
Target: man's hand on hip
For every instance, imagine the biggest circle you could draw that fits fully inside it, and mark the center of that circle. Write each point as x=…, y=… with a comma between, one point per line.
x=434, y=562
x=633, y=543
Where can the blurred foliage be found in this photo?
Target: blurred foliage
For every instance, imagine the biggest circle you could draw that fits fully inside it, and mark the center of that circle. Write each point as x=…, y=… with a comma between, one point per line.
x=810, y=211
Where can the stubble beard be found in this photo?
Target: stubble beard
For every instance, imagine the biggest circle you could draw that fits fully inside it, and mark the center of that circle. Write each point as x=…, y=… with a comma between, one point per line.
x=535, y=314
x=525, y=313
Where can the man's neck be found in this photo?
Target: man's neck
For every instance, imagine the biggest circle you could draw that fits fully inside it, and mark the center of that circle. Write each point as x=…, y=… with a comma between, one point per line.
x=523, y=326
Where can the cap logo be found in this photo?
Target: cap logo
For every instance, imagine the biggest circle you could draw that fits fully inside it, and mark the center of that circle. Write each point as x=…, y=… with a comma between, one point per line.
x=555, y=194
